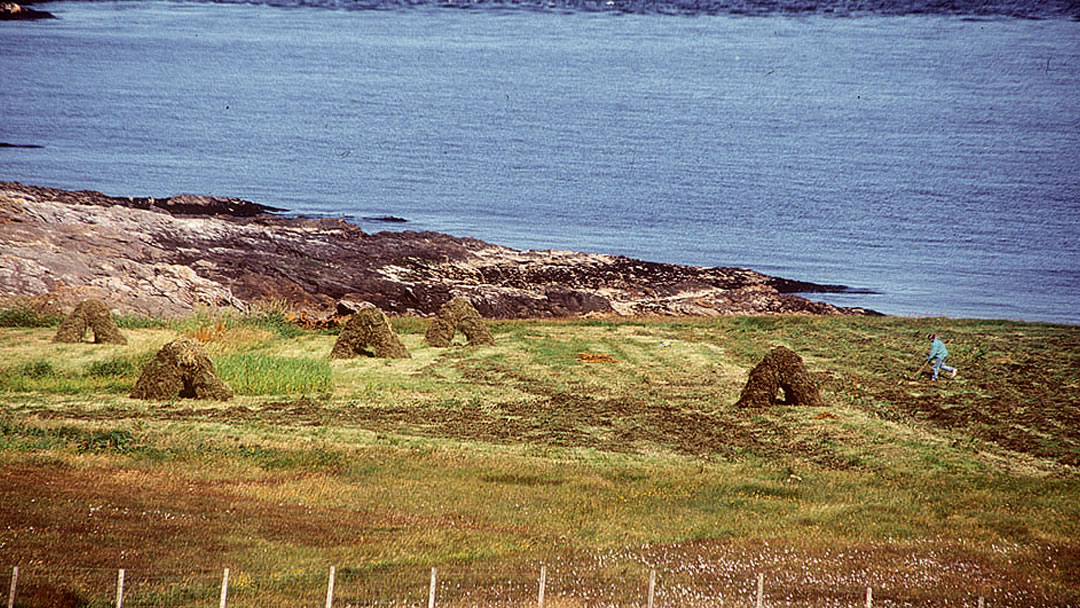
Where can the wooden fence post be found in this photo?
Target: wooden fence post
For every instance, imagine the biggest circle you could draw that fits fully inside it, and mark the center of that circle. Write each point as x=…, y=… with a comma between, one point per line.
x=980, y=601
x=224, y=587
x=14, y=579
x=652, y=587
x=120, y=588
x=869, y=597
x=330, y=589
x=543, y=583
x=760, y=591
x=431, y=590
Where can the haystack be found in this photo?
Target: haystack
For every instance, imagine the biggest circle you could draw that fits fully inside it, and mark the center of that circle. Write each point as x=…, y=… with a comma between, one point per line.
x=454, y=315
x=780, y=370
x=369, y=333
x=440, y=333
x=95, y=316
x=181, y=369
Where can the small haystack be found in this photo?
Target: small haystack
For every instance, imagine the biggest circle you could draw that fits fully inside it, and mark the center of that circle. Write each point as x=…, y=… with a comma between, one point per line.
x=181, y=369
x=440, y=333
x=781, y=369
x=369, y=333
x=95, y=316
x=454, y=315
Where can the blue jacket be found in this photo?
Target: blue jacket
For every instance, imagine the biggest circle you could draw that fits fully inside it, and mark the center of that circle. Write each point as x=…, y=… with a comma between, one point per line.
x=937, y=349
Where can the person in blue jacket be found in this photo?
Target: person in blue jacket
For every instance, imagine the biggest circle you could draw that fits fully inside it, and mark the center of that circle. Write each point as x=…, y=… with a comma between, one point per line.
x=937, y=356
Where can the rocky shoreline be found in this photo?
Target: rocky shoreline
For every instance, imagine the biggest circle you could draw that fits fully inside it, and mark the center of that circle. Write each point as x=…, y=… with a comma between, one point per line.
x=167, y=256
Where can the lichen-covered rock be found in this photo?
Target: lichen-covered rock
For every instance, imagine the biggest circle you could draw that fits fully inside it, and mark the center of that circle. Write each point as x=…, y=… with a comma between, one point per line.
x=167, y=256
x=95, y=316
x=780, y=371
x=369, y=333
x=181, y=369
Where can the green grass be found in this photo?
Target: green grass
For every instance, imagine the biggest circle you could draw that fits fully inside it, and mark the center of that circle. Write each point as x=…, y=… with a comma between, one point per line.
x=258, y=374
x=522, y=453
x=24, y=317
x=114, y=375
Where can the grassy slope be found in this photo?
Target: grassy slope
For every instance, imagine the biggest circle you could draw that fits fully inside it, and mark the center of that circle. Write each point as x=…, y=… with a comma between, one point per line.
x=489, y=461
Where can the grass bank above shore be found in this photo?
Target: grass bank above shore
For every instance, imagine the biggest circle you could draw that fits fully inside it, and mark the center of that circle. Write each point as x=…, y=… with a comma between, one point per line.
x=494, y=460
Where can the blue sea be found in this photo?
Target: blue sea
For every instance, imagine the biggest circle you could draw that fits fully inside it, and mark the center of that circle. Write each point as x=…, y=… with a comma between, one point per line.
x=928, y=157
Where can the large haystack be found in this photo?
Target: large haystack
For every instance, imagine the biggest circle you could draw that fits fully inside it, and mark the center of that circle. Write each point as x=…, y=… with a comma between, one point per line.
x=95, y=316
x=454, y=315
x=181, y=369
x=369, y=333
x=780, y=370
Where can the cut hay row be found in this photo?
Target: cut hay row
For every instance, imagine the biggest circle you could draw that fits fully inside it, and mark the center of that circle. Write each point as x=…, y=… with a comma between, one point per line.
x=182, y=368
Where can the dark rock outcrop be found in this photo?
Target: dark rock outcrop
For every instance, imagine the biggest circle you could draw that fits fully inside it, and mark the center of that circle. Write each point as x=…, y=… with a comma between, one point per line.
x=166, y=256
x=9, y=11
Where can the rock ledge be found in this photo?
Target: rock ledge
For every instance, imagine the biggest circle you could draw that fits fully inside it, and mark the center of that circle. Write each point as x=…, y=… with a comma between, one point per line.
x=166, y=256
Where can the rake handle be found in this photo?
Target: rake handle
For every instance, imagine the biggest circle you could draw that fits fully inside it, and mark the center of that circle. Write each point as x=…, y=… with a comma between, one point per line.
x=916, y=374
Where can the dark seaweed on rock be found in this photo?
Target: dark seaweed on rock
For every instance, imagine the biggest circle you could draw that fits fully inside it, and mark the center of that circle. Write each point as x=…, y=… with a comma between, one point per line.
x=10, y=11
x=181, y=204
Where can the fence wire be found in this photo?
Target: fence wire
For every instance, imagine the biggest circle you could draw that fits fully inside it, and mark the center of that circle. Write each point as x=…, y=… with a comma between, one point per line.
x=625, y=586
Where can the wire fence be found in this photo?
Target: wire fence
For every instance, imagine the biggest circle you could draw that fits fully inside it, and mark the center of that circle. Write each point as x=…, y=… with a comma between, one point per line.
x=397, y=587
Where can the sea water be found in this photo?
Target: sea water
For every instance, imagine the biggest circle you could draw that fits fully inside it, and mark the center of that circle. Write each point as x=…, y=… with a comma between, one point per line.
x=929, y=162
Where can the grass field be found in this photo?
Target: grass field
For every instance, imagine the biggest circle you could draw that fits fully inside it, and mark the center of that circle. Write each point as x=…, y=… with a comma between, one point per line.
x=489, y=462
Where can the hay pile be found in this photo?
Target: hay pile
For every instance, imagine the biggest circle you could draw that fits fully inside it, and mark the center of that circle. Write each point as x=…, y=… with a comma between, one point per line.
x=454, y=315
x=95, y=316
x=369, y=333
x=181, y=369
x=780, y=370
x=596, y=358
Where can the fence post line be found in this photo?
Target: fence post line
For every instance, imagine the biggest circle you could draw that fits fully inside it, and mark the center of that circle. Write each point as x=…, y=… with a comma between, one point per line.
x=869, y=597
x=14, y=579
x=652, y=587
x=330, y=589
x=120, y=588
x=980, y=601
x=760, y=590
x=224, y=587
x=543, y=583
x=431, y=590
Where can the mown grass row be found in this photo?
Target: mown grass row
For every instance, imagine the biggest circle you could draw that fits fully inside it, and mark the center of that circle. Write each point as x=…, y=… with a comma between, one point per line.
x=524, y=453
